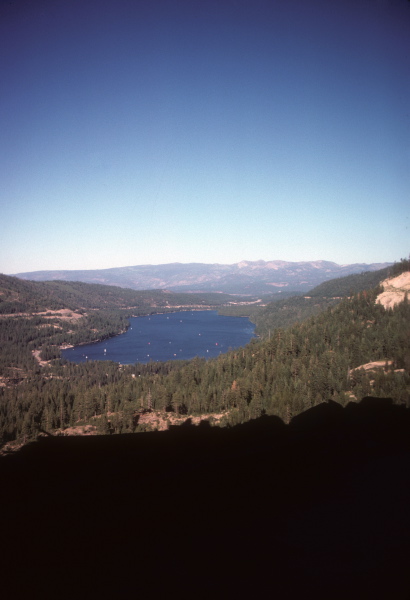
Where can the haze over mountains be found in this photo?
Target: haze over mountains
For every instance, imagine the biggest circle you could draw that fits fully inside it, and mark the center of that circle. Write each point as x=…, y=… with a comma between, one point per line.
x=245, y=277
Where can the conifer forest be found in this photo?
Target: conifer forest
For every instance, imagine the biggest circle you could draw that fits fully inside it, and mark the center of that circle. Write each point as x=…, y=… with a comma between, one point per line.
x=309, y=350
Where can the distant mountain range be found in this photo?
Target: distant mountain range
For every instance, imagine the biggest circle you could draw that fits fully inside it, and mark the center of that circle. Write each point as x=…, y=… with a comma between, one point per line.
x=246, y=277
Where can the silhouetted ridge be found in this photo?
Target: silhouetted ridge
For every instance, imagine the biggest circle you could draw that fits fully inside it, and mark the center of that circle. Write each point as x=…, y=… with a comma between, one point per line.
x=318, y=417
x=317, y=507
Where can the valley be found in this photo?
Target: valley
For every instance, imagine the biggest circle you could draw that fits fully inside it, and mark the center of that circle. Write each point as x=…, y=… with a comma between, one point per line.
x=306, y=346
x=275, y=457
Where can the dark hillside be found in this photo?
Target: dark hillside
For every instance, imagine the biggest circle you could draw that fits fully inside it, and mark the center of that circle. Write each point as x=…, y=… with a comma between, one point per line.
x=317, y=509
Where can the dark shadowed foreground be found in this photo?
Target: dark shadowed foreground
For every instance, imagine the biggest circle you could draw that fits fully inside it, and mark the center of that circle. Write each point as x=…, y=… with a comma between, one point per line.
x=319, y=508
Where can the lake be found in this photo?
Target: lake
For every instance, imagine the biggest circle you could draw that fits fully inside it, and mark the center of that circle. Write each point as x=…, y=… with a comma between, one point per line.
x=172, y=336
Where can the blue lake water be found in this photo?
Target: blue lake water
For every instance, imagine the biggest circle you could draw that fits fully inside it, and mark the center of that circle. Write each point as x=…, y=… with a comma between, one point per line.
x=172, y=336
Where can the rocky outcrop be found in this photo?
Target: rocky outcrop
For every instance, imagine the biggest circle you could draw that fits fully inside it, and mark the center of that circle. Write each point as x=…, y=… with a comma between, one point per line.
x=394, y=290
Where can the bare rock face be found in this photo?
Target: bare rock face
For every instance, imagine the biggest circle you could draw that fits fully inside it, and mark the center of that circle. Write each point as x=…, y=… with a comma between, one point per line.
x=394, y=290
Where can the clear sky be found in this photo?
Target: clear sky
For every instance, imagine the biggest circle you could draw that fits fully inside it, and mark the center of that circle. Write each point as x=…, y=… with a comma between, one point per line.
x=156, y=131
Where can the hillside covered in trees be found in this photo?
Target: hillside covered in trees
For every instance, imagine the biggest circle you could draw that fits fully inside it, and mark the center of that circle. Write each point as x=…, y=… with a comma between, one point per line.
x=302, y=488
x=291, y=368
x=18, y=295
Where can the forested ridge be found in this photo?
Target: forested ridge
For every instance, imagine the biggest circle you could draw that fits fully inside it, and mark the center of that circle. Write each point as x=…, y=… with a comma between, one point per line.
x=282, y=312
x=287, y=371
x=352, y=284
x=18, y=295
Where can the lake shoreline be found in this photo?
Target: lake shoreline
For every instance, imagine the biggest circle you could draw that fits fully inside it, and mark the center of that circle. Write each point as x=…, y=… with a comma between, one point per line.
x=174, y=335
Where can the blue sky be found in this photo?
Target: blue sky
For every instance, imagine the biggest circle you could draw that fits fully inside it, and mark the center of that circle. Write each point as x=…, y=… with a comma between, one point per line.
x=147, y=132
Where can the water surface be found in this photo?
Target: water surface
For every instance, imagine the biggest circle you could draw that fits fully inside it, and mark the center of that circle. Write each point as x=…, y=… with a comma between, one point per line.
x=180, y=335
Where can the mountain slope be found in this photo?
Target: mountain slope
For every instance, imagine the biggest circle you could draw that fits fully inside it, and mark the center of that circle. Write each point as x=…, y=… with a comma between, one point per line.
x=17, y=295
x=246, y=277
